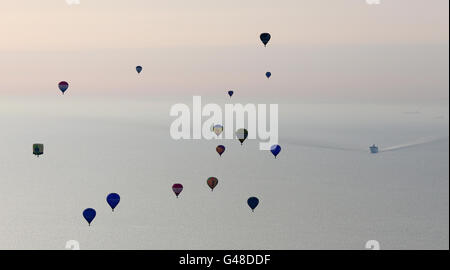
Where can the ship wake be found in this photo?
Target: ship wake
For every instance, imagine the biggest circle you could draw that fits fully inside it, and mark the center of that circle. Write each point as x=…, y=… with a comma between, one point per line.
x=331, y=146
x=418, y=142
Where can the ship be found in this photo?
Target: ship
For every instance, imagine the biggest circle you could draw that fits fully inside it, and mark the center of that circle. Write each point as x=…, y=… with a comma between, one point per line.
x=373, y=149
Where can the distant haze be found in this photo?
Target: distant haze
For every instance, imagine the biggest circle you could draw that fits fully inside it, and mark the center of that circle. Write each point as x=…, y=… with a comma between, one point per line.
x=327, y=51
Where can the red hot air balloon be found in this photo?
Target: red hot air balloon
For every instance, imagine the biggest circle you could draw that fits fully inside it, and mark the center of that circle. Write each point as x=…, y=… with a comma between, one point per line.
x=220, y=149
x=177, y=188
x=212, y=182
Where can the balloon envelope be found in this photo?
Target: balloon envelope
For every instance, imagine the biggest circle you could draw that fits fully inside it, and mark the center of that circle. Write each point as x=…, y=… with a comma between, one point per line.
x=220, y=149
x=253, y=202
x=265, y=37
x=63, y=86
x=138, y=69
x=230, y=93
x=113, y=200
x=177, y=188
x=241, y=134
x=212, y=182
x=275, y=149
x=268, y=74
x=89, y=215
x=218, y=129
x=38, y=149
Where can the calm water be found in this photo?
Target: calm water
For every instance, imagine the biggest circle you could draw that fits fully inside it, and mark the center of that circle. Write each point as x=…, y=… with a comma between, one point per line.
x=324, y=191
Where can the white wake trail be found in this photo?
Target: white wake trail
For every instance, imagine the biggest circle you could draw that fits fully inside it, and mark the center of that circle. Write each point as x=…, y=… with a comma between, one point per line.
x=323, y=145
x=326, y=145
x=415, y=143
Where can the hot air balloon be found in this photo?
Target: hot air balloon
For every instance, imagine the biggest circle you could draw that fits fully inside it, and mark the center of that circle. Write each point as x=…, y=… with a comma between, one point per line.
x=63, y=86
x=265, y=37
x=218, y=129
x=268, y=74
x=113, y=200
x=177, y=188
x=89, y=215
x=138, y=69
x=38, y=149
x=275, y=149
x=212, y=182
x=241, y=134
x=230, y=93
x=253, y=202
x=220, y=149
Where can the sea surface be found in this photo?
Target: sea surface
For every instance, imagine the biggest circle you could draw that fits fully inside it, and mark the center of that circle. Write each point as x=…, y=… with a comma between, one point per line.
x=324, y=191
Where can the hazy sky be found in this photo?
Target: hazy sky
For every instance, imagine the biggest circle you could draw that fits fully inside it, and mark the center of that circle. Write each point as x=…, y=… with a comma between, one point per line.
x=320, y=49
x=353, y=74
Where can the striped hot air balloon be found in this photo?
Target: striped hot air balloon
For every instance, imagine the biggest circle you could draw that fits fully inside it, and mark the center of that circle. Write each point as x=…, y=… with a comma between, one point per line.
x=63, y=85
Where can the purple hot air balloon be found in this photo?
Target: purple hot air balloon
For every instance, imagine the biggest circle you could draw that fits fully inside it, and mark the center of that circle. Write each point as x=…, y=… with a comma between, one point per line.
x=63, y=86
x=177, y=188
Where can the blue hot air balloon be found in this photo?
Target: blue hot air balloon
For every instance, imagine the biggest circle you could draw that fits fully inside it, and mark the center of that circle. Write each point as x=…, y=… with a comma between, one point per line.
x=230, y=93
x=113, y=200
x=89, y=215
x=63, y=85
x=275, y=149
x=138, y=69
x=268, y=74
x=253, y=202
x=265, y=37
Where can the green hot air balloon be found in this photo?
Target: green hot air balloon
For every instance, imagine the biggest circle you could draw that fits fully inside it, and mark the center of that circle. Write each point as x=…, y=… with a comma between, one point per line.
x=38, y=149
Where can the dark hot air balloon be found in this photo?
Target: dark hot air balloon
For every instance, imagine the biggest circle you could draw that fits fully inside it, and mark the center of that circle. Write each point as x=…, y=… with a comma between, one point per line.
x=138, y=69
x=275, y=149
x=230, y=93
x=113, y=200
x=212, y=182
x=241, y=134
x=268, y=74
x=63, y=86
x=177, y=188
x=220, y=149
x=265, y=37
x=253, y=202
x=89, y=214
x=38, y=149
